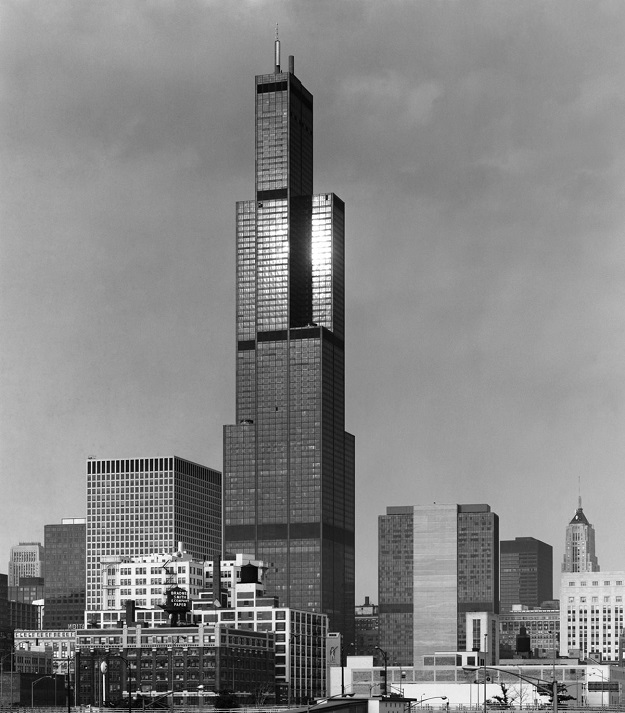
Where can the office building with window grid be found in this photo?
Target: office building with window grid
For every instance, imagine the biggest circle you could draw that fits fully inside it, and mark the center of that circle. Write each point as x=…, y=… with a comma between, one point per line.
x=592, y=615
x=436, y=564
x=526, y=572
x=26, y=560
x=288, y=462
x=139, y=506
x=64, y=588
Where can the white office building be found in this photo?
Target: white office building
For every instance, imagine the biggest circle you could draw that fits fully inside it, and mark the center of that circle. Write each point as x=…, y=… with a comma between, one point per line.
x=591, y=614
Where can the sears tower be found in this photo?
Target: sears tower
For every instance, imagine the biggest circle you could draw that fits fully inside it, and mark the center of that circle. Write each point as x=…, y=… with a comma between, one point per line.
x=288, y=462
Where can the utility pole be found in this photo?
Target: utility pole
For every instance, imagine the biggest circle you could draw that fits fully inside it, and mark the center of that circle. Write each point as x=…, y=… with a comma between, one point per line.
x=385, y=655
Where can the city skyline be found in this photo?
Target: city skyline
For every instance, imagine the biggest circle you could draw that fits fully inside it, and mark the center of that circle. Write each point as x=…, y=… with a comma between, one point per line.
x=482, y=170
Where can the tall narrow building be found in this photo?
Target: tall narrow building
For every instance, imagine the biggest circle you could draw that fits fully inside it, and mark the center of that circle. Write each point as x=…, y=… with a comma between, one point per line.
x=579, y=548
x=66, y=557
x=288, y=462
x=438, y=567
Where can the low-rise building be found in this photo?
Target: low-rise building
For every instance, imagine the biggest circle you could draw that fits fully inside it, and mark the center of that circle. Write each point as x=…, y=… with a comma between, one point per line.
x=458, y=678
x=235, y=599
x=367, y=629
x=59, y=645
x=591, y=614
x=146, y=579
x=540, y=635
x=182, y=663
x=300, y=636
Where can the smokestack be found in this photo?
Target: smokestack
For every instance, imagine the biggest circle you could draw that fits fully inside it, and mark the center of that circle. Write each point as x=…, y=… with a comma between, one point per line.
x=291, y=64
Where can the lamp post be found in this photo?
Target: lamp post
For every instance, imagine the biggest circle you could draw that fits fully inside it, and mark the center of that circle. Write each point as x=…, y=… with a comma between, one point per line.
x=32, y=690
x=538, y=682
x=234, y=668
x=291, y=668
x=385, y=656
x=6, y=656
x=104, y=667
x=485, y=642
x=200, y=693
x=602, y=682
x=430, y=698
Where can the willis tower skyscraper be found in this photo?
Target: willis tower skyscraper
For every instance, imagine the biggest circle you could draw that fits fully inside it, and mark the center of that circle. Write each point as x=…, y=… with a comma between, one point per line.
x=288, y=462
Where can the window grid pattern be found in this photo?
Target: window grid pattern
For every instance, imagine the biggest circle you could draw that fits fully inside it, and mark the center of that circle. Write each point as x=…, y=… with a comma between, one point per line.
x=328, y=258
x=272, y=118
x=145, y=505
x=246, y=270
x=591, y=614
x=272, y=255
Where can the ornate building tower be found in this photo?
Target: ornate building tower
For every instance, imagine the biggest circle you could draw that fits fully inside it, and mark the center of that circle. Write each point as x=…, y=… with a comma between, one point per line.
x=579, y=552
x=288, y=462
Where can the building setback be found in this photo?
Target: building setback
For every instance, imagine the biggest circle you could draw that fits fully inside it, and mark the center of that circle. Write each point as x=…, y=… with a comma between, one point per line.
x=437, y=563
x=526, y=572
x=288, y=462
x=64, y=589
x=139, y=506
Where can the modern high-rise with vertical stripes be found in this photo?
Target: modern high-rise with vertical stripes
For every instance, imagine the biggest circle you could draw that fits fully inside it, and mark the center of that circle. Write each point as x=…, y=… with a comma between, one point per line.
x=437, y=564
x=288, y=462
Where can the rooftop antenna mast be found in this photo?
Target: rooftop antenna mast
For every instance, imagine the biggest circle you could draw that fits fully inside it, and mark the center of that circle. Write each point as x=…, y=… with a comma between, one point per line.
x=277, y=52
x=579, y=491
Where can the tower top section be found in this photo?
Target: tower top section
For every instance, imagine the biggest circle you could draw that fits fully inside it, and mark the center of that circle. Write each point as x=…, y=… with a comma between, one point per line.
x=579, y=518
x=579, y=551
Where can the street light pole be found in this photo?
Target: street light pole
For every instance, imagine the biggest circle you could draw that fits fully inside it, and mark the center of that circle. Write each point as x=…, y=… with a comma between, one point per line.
x=200, y=691
x=104, y=667
x=6, y=656
x=541, y=684
x=385, y=655
x=430, y=698
x=600, y=672
x=553, y=674
x=485, y=640
x=32, y=690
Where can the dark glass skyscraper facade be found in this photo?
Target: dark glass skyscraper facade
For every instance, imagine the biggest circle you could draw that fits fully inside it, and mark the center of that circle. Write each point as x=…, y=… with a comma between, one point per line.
x=526, y=572
x=66, y=558
x=288, y=462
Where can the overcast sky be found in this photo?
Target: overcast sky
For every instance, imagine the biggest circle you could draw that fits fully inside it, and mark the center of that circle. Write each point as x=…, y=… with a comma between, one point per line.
x=480, y=150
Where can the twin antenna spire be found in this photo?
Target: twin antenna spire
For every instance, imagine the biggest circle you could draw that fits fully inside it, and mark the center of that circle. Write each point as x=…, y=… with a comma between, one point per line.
x=277, y=69
x=277, y=51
